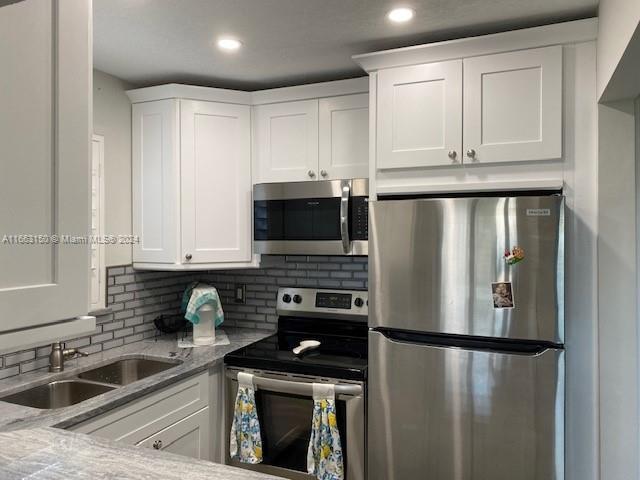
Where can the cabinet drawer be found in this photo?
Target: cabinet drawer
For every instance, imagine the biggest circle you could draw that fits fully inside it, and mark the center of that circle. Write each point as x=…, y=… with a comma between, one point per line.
x=142, y=418
x=189, y=437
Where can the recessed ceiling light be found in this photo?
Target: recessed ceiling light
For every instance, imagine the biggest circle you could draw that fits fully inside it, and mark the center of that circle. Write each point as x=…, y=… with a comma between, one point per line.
x=229, y=44
x=400, y=15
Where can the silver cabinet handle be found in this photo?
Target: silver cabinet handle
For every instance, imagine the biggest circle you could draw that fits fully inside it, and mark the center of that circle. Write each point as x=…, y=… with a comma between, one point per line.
x=311, y=173
x=452, y=154
x=188, y=256
x=344, y=216
x=471, y=153
x=157, y=444
x=323, y=173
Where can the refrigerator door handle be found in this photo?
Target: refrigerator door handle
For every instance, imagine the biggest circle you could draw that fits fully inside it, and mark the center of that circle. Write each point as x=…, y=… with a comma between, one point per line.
x=506, y=347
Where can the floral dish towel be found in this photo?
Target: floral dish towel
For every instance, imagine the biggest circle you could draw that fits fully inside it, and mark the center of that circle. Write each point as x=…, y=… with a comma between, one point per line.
x=324, y=456
x=245, y=443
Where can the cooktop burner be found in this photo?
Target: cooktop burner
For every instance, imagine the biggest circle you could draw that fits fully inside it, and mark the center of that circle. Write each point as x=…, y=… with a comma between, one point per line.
x=341, y=331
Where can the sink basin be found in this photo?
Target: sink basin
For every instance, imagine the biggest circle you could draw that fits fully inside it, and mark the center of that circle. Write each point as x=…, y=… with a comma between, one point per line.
x=57, y=394
x=128, y=370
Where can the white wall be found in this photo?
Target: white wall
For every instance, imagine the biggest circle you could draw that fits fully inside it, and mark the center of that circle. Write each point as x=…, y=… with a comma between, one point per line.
x=112, y=119
x=617, y=295
x=581, y=294
x=618, y=21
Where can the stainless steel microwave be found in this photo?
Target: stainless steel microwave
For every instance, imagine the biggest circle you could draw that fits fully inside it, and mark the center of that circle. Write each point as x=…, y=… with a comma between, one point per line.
x=328, y=217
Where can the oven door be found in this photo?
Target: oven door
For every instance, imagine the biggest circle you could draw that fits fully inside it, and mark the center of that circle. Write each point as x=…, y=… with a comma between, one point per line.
x=307, y=218
x=285, y=406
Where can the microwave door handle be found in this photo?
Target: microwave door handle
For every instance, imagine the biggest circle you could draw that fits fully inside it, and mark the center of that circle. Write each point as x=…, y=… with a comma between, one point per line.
x=344, y=217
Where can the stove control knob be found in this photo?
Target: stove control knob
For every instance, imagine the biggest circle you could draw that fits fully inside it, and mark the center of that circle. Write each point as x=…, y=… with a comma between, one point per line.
x=358, y=302
x=297, y=298
x=286, y=298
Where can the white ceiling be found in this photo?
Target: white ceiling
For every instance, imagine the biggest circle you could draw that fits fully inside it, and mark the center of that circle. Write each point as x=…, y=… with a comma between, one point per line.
x=287, y=42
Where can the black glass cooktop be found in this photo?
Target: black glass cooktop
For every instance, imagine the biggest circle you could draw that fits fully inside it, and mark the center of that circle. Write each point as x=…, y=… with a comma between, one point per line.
x=342, y=352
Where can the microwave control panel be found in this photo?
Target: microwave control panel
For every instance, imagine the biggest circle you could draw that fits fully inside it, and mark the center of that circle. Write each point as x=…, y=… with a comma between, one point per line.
x=359, y=218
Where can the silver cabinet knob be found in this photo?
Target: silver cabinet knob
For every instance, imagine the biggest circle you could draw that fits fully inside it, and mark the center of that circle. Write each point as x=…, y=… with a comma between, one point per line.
x=157, y=444
x=471, y=153
x=311, y=173
x=452, y=154
x=188, y=256
x=323, y=173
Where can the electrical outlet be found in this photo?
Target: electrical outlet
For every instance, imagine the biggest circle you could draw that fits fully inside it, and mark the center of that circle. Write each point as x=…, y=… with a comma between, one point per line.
x=240, y=292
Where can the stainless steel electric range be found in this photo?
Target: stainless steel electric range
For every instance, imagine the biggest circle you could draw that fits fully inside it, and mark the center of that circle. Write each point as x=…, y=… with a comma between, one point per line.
x=337, y=319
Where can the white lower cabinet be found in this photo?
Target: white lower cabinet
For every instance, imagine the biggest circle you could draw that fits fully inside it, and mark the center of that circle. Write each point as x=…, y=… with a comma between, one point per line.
x=190, y=437
x=182, y=418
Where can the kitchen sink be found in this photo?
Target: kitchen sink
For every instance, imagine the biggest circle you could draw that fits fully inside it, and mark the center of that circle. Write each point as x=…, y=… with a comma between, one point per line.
x=128, y=370
x=57, y=394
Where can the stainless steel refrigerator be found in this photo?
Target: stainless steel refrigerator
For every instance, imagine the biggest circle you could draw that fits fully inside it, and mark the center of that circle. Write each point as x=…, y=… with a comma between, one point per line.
x=466, y=358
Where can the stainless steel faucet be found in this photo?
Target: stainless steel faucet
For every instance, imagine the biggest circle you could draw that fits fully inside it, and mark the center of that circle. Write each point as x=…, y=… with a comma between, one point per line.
x=59, y=354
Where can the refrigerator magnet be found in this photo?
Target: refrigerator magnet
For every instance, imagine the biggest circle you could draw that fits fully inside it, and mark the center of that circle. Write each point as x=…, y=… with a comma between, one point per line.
x=502, y=294
x=514, y=256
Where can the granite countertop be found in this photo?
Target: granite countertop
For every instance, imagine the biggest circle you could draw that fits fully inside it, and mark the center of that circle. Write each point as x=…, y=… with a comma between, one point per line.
x=194, y=360
x=51, y=454
x=31, y=448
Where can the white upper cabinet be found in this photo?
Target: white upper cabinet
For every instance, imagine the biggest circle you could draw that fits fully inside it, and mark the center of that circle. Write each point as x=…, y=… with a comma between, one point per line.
x=311, y=132
x=286, y=139
x=344, y=137
x=499, y=112
x=45, y=146
x=192, y=185
x=156, y=181
x=216, y=182
x=193, y=168
x=420, y=115
x=513, y=106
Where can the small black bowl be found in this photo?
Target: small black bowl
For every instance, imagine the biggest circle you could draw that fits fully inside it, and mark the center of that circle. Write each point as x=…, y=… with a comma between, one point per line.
x=170, y=323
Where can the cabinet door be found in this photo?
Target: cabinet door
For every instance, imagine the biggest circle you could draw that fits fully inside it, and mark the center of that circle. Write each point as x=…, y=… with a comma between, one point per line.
x=420, y=115
x=216, y=182
x=344, y=137
x=513, y=106
x=45, y=147
x=140, y=419
x=190, y=437
x=286, y=141
x=156, y=181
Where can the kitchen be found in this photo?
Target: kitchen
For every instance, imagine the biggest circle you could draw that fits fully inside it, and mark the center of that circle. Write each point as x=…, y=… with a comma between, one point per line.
x=319, y=239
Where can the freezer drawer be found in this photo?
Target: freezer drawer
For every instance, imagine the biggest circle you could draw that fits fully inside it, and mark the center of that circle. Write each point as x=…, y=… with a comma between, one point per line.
x=447, y=413
x=439, y=266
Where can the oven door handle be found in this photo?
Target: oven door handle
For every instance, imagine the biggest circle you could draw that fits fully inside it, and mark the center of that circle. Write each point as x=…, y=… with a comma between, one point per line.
x=296, y=388
x=344, y=216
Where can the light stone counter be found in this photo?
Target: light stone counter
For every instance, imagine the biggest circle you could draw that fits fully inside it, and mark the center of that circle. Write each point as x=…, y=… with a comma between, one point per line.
x=194, y=360
x=30, y=448
x=52, y=454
